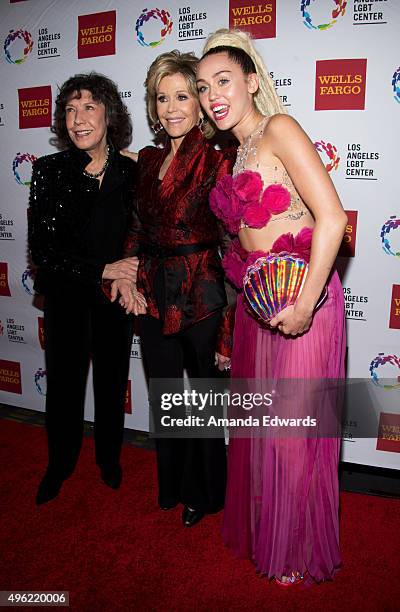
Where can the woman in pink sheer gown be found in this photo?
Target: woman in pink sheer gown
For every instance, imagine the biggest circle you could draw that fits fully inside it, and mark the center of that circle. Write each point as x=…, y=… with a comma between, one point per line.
x=281, y=508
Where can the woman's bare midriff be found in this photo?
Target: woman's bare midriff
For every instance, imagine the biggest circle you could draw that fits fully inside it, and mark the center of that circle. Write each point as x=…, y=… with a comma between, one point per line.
x=263, y=239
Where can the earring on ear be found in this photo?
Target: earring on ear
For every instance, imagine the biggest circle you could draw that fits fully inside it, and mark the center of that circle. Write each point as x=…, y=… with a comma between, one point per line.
x=157, y=127
x=202, y=123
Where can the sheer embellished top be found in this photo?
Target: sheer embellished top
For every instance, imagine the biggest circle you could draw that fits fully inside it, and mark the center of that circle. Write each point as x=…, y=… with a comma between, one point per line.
x=257, y=193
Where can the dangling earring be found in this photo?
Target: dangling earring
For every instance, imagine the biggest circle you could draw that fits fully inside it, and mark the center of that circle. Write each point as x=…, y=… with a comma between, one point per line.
x=157, y=127
x=202, y=124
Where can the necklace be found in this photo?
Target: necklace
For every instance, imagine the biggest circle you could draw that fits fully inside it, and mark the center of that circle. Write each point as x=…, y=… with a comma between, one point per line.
x=103, y=169
x=247, y=149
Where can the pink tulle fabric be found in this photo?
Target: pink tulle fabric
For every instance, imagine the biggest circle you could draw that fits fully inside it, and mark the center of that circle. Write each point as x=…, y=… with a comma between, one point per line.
x=282, y=499
x=241, y=198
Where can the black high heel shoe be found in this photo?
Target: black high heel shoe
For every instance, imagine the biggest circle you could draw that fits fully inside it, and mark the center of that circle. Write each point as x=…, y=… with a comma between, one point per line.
x=191, y=517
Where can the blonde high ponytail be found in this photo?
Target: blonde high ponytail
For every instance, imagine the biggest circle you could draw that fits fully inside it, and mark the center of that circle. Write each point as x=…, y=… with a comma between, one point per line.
x=266, y=99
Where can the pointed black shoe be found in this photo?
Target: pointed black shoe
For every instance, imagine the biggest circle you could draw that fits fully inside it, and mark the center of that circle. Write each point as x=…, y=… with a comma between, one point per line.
x=191, y=517
x=167, y=507
x=48, y=489
x=112, y=477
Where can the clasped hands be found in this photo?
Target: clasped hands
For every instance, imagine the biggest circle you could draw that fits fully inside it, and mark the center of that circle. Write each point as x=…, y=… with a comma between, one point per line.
x=122, y=269
x=123, y=273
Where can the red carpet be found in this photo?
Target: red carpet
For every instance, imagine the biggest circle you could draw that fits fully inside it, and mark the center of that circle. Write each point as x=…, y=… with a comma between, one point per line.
x=114, y=550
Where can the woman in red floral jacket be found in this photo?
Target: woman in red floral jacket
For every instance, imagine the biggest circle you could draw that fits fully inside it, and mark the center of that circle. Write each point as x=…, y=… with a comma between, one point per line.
x=176, y=238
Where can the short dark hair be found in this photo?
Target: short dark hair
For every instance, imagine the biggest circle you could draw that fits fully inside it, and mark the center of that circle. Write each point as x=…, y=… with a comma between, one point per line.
x=235, y=54
x=103, y=89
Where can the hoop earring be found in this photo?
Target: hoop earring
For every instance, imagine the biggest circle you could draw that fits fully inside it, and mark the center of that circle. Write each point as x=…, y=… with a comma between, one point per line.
x=202, y=124
x=157, y=127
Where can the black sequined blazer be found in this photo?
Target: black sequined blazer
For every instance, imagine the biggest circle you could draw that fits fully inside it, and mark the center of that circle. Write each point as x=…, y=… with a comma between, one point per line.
x=64, y=205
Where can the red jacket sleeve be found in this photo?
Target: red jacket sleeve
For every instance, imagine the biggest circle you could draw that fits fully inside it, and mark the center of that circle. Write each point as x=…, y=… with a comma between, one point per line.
x=225, y=332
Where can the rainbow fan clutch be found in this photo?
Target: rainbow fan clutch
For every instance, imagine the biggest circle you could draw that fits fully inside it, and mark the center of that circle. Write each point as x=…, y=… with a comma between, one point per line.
x=274, y=282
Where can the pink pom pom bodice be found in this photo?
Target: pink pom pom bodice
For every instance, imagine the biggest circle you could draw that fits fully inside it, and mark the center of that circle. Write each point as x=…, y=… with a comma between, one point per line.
x=257, y=193
x=241, y=201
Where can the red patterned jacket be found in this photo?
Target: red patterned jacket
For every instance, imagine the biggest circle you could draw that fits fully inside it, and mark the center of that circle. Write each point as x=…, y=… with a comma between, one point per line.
x=173, y=213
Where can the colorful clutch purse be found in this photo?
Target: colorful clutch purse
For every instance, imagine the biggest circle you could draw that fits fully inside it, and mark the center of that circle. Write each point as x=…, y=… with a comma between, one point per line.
x=274, y=282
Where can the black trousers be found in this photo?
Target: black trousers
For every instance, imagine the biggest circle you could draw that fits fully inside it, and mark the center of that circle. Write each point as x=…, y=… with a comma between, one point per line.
x=190, y=471
x=80, y=324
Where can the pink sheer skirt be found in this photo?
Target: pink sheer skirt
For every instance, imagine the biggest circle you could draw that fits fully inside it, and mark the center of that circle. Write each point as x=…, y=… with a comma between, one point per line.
x=282, y=499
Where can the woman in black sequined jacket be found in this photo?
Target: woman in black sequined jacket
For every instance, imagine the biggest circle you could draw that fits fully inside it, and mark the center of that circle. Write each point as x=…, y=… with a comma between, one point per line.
x=80, y=206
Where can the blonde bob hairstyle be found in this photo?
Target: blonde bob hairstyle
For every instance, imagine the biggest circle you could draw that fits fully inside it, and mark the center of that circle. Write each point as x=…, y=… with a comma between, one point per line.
x=266, y=99
x=167, y=64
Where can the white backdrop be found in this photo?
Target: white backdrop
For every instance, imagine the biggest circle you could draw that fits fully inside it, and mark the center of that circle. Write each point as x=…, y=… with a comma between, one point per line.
x=349, y=107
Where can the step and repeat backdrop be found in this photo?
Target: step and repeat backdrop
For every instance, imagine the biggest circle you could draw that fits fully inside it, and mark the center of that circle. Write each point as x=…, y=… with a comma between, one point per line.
x=335, y=64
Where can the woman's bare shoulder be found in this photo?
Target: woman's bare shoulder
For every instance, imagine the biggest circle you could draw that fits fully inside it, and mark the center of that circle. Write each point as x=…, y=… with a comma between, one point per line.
x=282, y=134
x=281, y=124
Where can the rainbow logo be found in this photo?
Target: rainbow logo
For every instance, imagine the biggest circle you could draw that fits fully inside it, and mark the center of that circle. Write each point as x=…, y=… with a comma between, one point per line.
x=40, y=381
x=340, y=8
x=166, y=24
x=391, y=224
x=19, y=159
x=21, y=35
x=331, y=153
x=27, y=280
x=380, y=360
x=396, y=85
